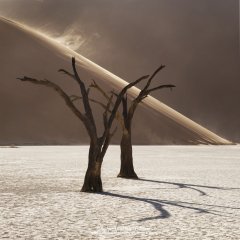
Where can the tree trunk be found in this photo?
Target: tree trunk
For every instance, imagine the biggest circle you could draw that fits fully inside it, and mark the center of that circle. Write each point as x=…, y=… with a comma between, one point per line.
x=127, y=169
x=92, y=180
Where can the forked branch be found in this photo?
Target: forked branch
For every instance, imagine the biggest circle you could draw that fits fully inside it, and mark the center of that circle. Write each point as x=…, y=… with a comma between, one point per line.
x=84, y=93
x=145, y=92
x=59, y=90
x=67, y=73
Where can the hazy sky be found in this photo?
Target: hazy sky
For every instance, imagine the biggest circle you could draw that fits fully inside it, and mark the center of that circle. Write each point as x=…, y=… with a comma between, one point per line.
x=197, y=40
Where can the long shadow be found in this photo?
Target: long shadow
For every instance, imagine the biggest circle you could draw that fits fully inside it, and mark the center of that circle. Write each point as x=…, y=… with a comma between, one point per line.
x=160, y=206
x=189, y=186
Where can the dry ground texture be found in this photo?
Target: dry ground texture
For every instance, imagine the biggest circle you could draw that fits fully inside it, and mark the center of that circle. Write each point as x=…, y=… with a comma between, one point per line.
x=185, y=193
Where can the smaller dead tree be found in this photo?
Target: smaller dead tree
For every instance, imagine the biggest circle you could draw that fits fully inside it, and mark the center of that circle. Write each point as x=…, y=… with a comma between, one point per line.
x=98, y=145
x=125, y=121
x=127, y=167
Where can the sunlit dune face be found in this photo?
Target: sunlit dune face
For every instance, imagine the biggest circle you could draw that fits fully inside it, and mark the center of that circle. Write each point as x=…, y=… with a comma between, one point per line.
x=184, y=128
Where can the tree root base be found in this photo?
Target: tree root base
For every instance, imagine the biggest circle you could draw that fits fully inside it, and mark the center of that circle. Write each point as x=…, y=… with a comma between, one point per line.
x=128, y=176
x=91, y=190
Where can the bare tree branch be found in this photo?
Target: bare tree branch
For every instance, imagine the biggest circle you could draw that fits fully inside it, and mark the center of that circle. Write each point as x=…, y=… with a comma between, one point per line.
x=147, y=92
x=64, y=95
x=144, y=93
x=105, y=114
x=96, y=86
x=118, y=116
x=84, y=93
x=75, y=98
x=67, y=73
x=161, y=87
x=152, y=77
x=120, y=95
x=107, y=141
x=88, y=91
x=106, y=136
x=125, y=108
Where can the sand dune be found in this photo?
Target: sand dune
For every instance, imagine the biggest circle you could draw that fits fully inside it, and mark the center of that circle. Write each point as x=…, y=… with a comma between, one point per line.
x=33, y=115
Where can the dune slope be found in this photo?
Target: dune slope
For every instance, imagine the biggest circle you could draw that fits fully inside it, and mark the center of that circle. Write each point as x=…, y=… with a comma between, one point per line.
x=30, y=114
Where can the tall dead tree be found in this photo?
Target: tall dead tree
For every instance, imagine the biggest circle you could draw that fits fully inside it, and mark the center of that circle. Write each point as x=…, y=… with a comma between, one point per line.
x=127, y=167
x=98, y=145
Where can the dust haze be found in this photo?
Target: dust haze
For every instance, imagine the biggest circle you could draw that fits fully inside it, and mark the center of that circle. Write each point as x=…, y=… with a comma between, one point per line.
x=197, y=40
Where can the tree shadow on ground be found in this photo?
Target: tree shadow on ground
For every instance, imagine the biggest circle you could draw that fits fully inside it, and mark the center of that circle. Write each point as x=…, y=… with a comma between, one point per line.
x=193, y=187
x=160, y=206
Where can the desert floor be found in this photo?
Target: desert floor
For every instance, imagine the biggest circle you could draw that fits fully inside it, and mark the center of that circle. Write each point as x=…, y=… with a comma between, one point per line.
x=188, y=192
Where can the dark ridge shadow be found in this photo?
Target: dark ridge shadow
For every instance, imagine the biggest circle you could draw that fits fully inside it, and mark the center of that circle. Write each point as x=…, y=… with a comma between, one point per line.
x=163, y=213
x=189, y=186
x=160, y=206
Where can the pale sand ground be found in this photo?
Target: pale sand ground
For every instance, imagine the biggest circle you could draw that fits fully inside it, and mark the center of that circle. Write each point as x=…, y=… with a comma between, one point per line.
x=189, y=193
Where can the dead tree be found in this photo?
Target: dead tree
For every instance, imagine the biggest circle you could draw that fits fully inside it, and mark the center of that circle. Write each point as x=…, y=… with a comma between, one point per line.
x=98, y=145
x=127, y=167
